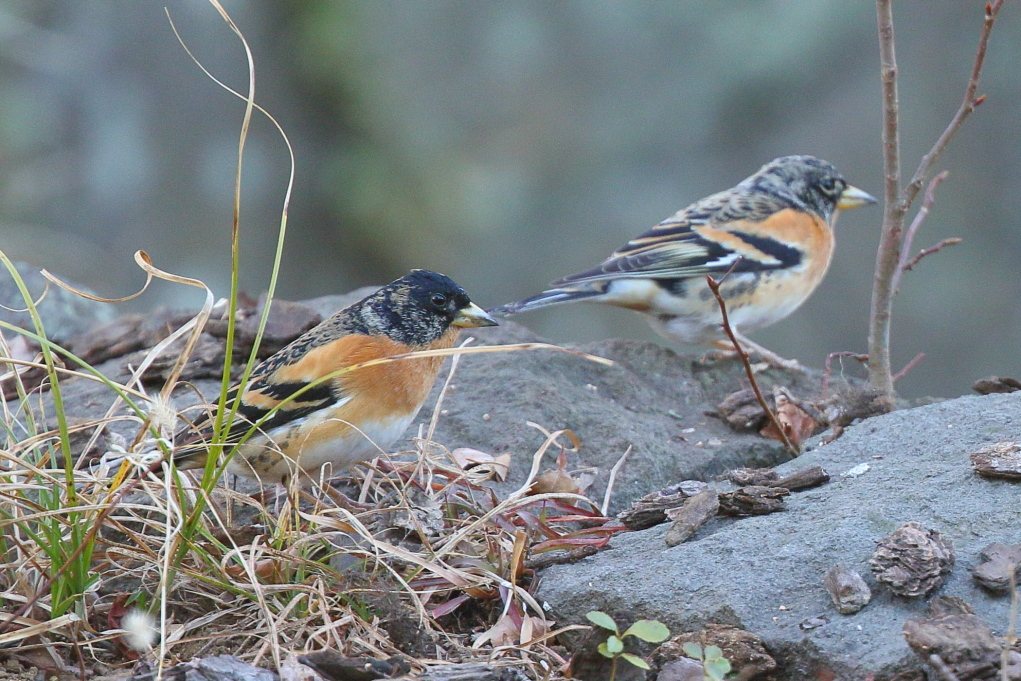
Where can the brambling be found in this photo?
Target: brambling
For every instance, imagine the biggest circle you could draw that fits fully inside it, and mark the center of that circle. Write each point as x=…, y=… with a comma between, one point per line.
x=302, y=422
x=769, y=239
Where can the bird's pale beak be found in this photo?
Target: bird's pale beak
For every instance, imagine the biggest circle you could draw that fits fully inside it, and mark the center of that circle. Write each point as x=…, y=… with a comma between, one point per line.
x=852, y=197
x=473, y=316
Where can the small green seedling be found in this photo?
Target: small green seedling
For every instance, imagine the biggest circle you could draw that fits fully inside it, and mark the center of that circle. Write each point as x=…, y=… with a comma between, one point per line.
x=613, y=648
x=715, y=666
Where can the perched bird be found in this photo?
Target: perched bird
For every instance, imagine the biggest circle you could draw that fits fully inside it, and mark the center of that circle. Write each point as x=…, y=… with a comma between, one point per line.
x=348, y=418
x=769, y=239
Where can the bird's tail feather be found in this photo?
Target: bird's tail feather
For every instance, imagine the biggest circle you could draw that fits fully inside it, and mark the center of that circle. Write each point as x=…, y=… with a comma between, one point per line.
x=554, y=296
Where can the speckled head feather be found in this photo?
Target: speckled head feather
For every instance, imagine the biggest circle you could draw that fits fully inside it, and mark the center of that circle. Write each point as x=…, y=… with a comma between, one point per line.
x=415, y=310
x=804, y=182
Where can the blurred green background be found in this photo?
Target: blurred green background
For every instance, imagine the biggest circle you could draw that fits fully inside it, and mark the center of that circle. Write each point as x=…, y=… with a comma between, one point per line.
x=505, y=143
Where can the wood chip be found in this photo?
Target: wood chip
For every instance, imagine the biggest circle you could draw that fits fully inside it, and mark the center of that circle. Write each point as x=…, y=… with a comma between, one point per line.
x=913, y=561
x=1000, y=460
x=691, y=515
x=847, y=589
x=651, y=509
x=753, y=476
x=753, y=500
x=999, y=561
x=746, y=651
x=951, y=635
x=806, y=478
x=991, y=385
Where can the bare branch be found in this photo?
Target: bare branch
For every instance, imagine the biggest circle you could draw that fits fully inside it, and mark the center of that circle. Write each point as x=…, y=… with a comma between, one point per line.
x=908, y=367
x=967, y=106
x=923, y=212
x=715, y=288
x=888, y=255
x=951, y=241
x=909, y=236
x=889, y=260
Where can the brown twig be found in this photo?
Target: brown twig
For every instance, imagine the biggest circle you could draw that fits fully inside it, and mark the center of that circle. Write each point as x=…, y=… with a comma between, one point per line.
x=715, y=288
x=898, y=200
x=906, y=263
x=950, y=241
x=923, y=212
x=908, y=367
x=827, y=368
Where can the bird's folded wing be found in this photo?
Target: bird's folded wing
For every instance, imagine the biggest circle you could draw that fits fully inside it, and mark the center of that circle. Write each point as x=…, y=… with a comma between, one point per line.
x=675, y=250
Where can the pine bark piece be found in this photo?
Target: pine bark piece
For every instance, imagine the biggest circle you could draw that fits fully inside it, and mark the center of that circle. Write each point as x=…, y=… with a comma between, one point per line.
x=806, y=478
x=333, y=666
x=848, y=590
x=753, y=500
x=998, y=562
x=951, y=632
x=691, y=515
x=651, y=509
x=742, y=412
x=748, y=656
x=913, y=561
x=743, y=477
x=991, y=385
x=999, y=460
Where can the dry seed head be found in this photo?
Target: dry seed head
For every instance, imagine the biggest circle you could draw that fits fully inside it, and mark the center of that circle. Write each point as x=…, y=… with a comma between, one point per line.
x=140, y=630
x=163, y=414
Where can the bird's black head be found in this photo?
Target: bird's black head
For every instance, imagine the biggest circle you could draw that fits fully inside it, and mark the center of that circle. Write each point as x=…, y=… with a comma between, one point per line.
x=419, y=308
x=810, y=184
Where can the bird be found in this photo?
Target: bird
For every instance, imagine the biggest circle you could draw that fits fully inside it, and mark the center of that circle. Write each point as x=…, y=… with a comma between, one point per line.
x=296, y=414
x=768, y=241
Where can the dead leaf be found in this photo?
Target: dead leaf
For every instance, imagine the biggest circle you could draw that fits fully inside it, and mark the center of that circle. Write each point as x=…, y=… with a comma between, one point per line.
x=482, y=466
x=797, y=423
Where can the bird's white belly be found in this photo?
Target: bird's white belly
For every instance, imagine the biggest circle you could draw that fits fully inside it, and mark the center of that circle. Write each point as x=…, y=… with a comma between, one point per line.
x=261, y=459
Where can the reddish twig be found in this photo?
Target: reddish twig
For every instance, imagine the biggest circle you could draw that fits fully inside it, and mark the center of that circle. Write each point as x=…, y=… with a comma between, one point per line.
x=827, y=368
x=951, y=241
x=923, y=212
x=908, y=367
x=888, y=258
x=715, y=288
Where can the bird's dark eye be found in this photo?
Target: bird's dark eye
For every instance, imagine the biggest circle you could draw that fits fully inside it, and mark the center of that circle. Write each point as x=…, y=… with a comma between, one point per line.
x=438, y=300
x=828, y=184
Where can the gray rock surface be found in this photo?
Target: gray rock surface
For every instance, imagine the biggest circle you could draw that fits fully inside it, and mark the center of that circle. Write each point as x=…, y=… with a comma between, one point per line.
x=63, y=313
x=765, y=574
x=653, y=400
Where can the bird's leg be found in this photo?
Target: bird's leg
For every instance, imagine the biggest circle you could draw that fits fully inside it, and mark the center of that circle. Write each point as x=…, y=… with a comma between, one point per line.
x=751, y=347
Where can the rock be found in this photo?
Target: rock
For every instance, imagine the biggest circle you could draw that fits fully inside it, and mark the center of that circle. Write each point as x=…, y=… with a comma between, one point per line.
x=63, y=313
x=998, y=460
x=913, y=561
x=848, y=590
x=951, y=635
x=652, y=400
x=740, y=572
x=999, y=562
x=691, y=515
x=753, y=500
